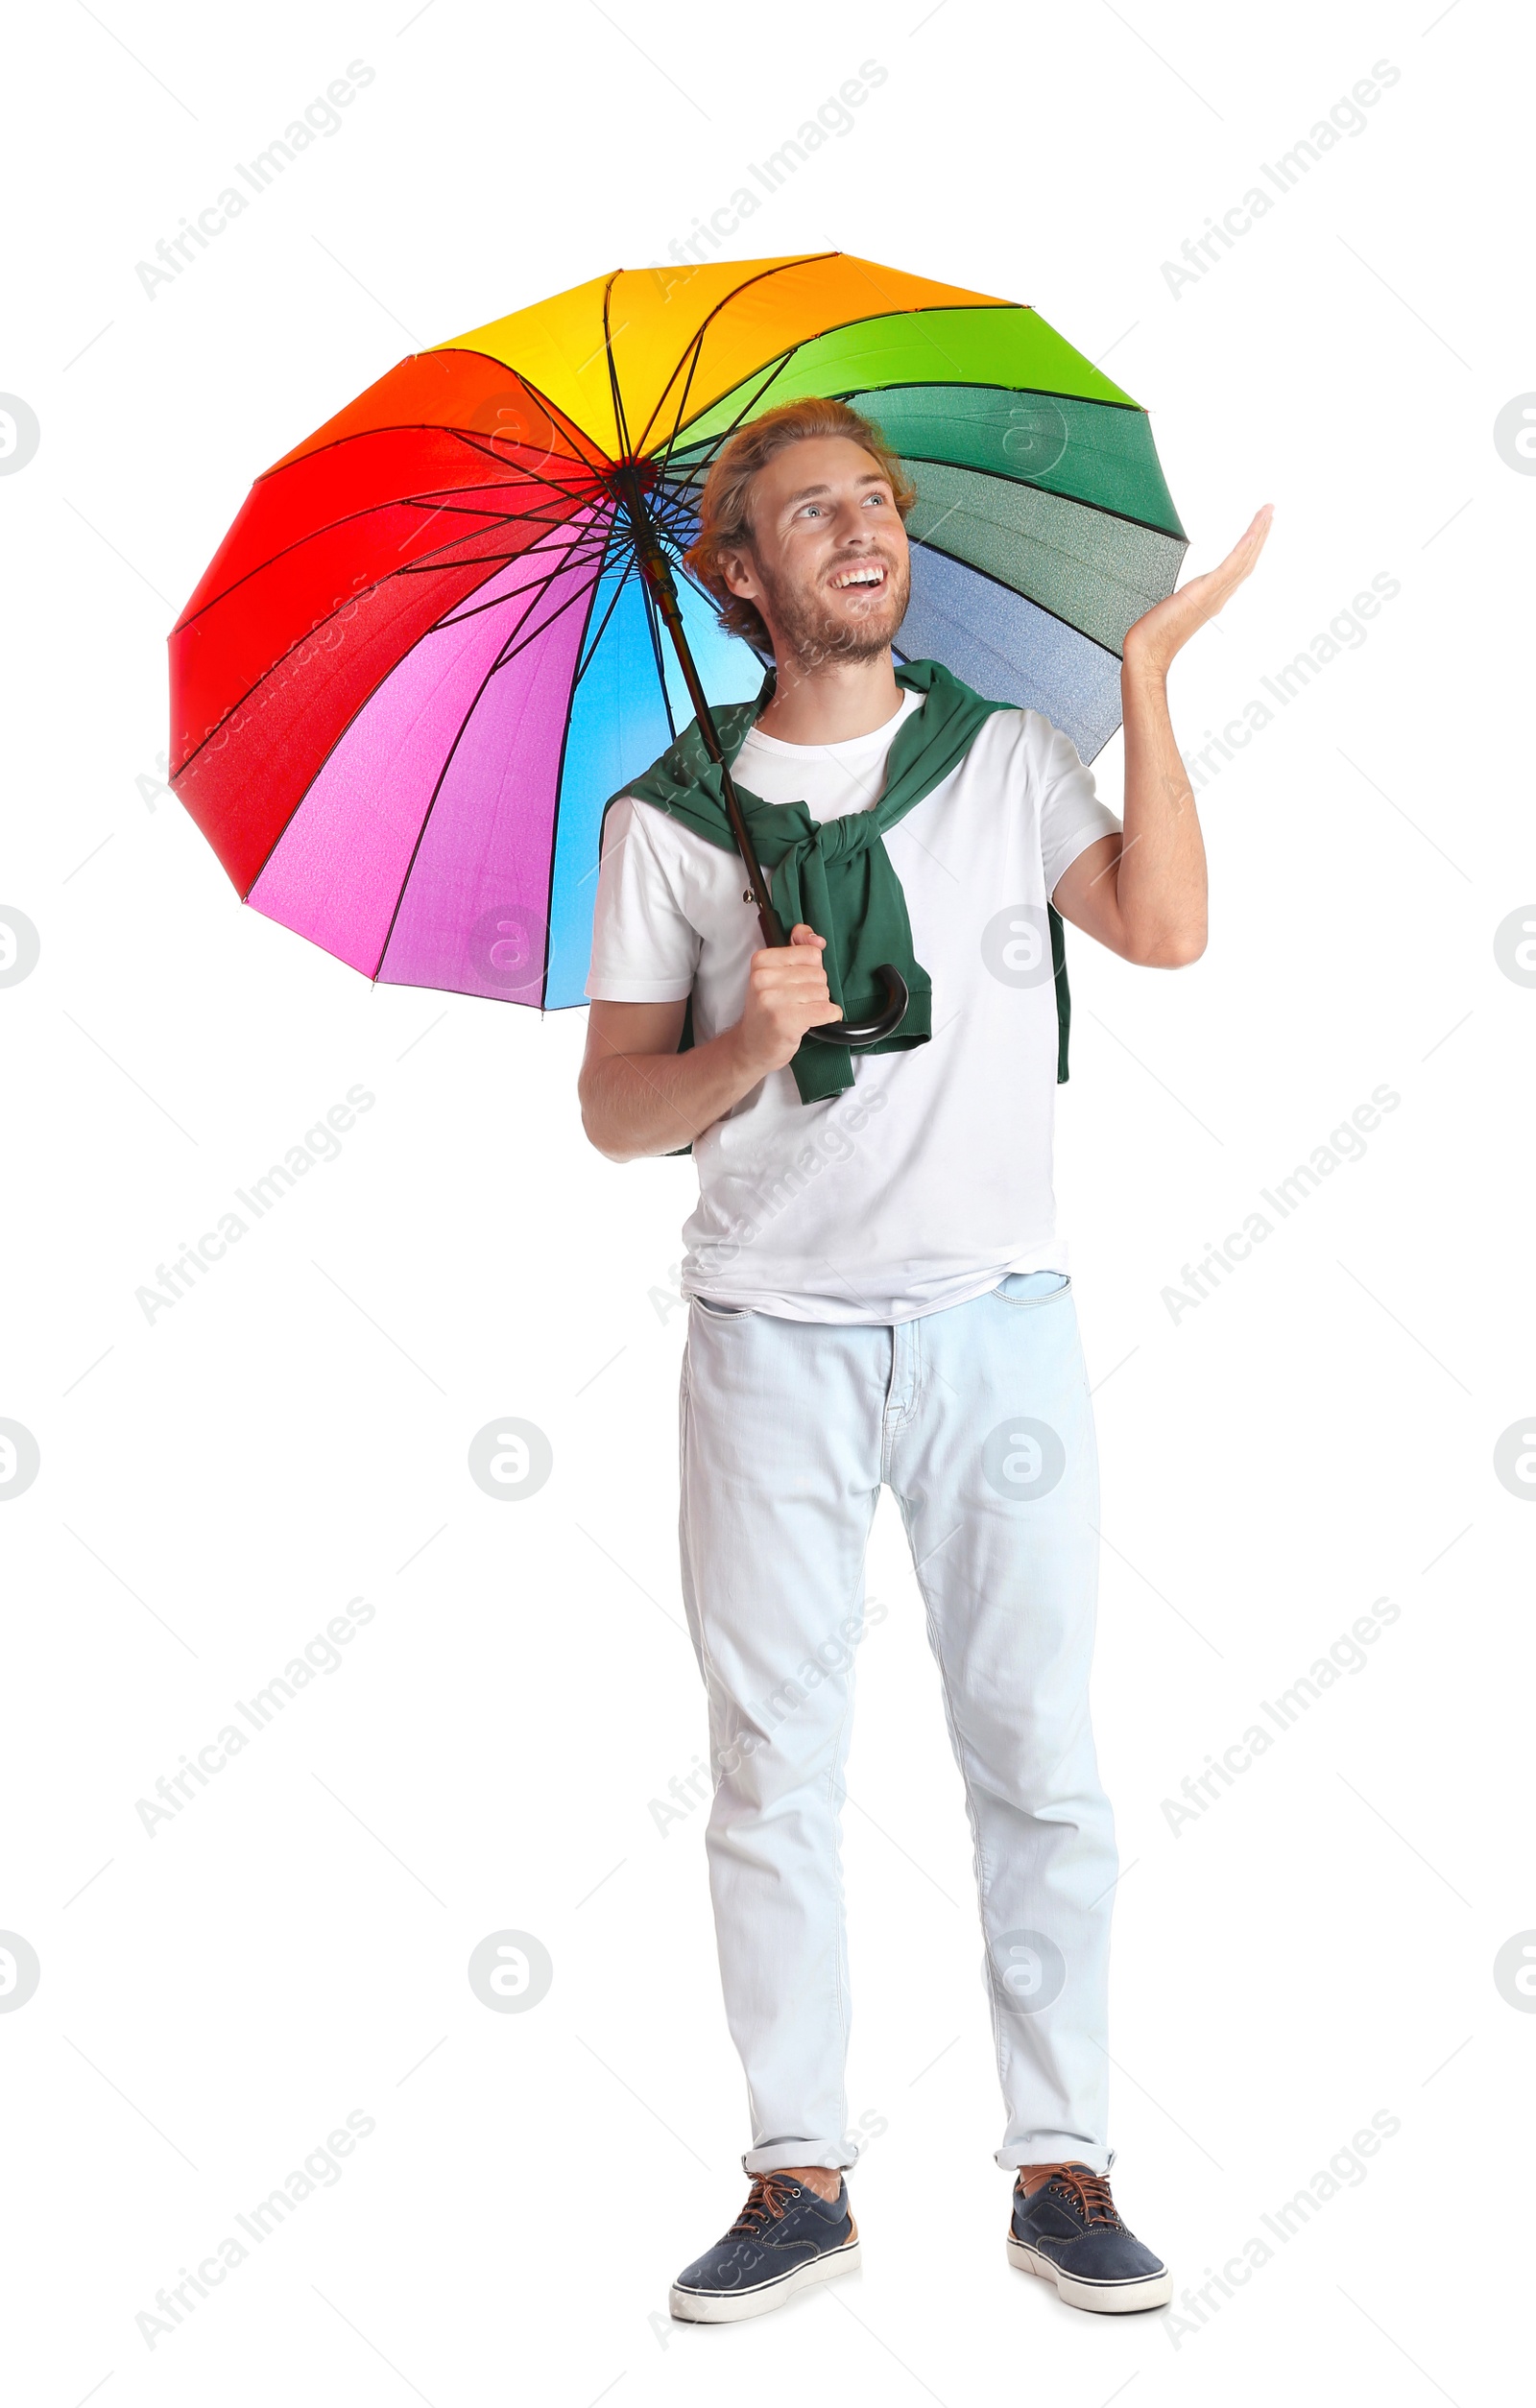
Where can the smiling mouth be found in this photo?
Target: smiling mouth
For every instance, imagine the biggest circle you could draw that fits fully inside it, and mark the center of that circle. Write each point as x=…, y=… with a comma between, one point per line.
x=862, y=577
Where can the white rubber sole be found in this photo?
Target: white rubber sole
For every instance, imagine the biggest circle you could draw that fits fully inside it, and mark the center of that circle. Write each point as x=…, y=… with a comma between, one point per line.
x=1106, y=2298
x=731, y=2307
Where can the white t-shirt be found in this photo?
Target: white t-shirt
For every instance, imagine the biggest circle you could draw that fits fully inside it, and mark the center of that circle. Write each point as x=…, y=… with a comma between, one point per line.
x=930, y=1178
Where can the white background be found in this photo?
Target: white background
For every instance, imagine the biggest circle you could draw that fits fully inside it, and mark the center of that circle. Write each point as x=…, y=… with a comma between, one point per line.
x=1319, y=1944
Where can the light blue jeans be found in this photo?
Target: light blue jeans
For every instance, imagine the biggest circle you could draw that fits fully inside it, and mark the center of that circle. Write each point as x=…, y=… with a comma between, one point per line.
x=978, y=1419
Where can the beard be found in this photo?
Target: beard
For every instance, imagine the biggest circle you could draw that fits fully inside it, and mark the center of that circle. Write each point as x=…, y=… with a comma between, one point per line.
x=815, y=634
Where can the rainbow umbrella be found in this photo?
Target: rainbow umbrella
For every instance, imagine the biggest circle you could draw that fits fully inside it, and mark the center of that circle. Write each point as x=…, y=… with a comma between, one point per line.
x=431, y=645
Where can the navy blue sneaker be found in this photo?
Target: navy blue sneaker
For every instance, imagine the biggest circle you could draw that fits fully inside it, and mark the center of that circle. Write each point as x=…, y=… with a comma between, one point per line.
x=783, y=2239
x=1069, y=2231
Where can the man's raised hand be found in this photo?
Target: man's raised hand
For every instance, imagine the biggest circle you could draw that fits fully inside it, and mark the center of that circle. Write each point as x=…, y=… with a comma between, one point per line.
x=1164, y=629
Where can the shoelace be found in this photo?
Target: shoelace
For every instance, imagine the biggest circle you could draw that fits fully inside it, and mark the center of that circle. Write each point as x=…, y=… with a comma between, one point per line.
x=766, y=2202
x=1088, y=2192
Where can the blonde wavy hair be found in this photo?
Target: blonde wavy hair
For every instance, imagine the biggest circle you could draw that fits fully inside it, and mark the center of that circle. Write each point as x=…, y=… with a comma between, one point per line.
x=725, y=506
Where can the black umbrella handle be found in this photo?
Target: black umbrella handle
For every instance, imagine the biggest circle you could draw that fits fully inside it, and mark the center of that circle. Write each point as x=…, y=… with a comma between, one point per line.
x=857, y=1034
x=885, y=1023
x=656, y=571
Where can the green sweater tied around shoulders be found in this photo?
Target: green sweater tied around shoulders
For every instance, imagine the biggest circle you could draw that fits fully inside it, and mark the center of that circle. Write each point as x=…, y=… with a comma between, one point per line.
x=836, y=874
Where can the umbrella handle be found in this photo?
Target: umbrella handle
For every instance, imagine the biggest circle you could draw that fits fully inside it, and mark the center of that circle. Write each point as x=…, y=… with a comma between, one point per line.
x=857, y=1034
x=885, y=1023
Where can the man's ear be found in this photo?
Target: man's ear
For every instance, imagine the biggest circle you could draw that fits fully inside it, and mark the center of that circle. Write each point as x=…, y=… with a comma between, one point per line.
x=740, y=573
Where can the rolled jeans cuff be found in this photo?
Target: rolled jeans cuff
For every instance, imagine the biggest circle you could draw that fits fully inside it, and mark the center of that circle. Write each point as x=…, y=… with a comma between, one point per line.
x=781, y=2153
x=1054, y=2149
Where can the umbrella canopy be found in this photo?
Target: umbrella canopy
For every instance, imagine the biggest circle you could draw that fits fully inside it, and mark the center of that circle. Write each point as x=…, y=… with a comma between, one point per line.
x=445, y=627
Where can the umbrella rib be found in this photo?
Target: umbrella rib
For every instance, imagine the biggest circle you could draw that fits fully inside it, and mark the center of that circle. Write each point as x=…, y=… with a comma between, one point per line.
x=343, y=733
x=459, y=612
x=976, y=384
x=591, y=652
x=714, y=444
x=664, y=456
x=471, y=437
x=466, y=607
x=430, y=562
x=435, y=426
x=438, y=783
x=587, y=490
x=1004, y=586
x=915, y=384
x=599, y=466
x=465, y=434
x=967, y=506
x=576, y=556
x=583, y=477
x=696, y=347
x=523, y=635
x=400, y=501
x=475, y=439
x=928, y=310
x=532, y=593
x=660, y=667
x=492, y=520
x=1032, y=485
x=451, y=555
x=803, y=259
x=620, y=421
x=535, y=515
x=560, y=779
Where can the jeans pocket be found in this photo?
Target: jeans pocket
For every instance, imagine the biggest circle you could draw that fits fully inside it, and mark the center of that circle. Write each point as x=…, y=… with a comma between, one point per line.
x=721, y=1312
x=1031, y=1287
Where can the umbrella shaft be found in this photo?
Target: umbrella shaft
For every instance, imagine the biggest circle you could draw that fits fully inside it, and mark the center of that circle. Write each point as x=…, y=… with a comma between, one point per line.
x=657, y=574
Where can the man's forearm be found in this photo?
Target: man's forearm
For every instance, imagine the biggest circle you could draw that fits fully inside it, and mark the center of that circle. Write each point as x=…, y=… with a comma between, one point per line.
x=634, y=1104
x=1161, y=877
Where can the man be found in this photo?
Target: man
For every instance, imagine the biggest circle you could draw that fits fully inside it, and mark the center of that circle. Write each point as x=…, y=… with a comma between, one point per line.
x=878, y=1296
